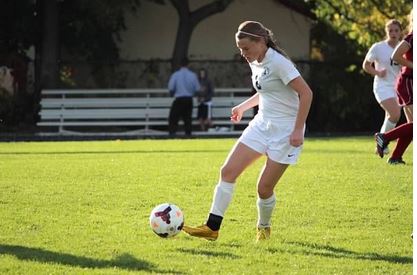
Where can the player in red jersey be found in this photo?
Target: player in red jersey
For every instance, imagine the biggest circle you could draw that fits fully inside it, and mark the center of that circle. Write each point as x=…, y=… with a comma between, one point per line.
x=403, y=55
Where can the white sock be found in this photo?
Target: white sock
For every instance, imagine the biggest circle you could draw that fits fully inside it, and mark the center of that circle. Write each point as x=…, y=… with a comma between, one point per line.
x=387, y=125
x=265, y=209
x=223, y=194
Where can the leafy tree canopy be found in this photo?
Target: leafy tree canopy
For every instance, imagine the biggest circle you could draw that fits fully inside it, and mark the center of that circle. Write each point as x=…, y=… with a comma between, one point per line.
x=362, y=21
x=91, y=28
x=18, y=28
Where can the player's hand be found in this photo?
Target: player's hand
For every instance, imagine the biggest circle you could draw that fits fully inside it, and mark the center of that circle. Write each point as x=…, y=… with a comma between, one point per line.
x=237, y=114
x=297, y=138
x=382, y=73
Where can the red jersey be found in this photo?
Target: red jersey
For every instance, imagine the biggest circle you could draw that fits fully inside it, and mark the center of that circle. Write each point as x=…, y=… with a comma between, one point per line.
x=408, y=55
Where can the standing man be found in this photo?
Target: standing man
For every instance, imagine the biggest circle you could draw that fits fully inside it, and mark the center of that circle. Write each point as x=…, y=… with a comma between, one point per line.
x=183, y=84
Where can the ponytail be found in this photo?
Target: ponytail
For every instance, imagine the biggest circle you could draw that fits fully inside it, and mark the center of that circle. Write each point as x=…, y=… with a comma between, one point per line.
x=271, y=44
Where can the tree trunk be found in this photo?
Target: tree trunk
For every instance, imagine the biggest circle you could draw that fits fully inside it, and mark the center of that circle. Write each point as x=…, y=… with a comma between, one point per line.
x=50, y=44
x=182, y=43
x=188, y=21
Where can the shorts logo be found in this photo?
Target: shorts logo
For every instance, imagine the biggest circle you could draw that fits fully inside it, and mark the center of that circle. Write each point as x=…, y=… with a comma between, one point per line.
x=290, y=155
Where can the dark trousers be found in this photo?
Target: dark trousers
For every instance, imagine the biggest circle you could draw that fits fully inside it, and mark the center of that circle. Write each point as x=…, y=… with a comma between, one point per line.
x=182, y=108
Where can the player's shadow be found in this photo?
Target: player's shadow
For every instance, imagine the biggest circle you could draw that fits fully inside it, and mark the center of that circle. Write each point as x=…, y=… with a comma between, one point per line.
x=209, y=253
x=124, y=261
x=335, y=252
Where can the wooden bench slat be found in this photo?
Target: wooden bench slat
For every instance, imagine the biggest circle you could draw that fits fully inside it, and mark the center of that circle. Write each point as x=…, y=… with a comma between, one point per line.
x=150, y=91
x=128, y=102
x=125, y=123
x=104, y=102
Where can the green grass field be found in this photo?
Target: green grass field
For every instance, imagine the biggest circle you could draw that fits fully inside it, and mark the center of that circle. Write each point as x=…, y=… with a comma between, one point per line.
x=83, y=207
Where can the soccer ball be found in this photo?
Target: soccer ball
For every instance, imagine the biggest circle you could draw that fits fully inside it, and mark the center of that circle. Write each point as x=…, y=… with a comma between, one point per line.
x=166, y=220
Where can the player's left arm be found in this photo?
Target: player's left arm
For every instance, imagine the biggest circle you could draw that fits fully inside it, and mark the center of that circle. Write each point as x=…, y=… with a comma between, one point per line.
x=306, y=97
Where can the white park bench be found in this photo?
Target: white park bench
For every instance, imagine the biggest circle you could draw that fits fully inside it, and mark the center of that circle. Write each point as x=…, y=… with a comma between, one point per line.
x=146, y=110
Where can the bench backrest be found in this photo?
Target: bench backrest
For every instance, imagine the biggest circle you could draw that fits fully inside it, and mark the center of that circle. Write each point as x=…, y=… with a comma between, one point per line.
x=135, y=107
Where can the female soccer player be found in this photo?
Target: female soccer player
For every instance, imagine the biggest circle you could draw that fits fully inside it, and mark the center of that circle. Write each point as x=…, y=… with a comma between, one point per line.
x=403, y=54
x=277, y=131
x=379, y=64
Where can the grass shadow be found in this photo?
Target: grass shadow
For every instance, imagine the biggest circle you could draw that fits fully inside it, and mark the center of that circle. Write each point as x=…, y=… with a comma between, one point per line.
x=123, y=261
x=209, y=253
x=231, y=245
x=335, y=252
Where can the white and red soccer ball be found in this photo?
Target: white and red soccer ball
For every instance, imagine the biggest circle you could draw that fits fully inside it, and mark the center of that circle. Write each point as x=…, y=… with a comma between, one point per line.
x=166, y=220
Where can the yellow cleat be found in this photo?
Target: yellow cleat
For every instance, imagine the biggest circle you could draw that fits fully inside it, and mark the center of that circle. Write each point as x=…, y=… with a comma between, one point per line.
x=202, y=231
x=263, y=234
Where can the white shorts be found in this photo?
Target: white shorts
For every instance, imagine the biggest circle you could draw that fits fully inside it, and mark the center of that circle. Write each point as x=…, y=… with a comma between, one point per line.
x=271, y=139
x=383, y=93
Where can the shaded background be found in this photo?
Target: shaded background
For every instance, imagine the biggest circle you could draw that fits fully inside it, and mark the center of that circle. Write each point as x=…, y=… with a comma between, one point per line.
x=107, y=44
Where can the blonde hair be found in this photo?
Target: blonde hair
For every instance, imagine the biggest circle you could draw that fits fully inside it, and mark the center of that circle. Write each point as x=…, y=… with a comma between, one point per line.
x=256, y=31
x=393, y=22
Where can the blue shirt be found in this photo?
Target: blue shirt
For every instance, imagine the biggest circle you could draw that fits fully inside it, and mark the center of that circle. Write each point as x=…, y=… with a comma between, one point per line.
x=183, y=83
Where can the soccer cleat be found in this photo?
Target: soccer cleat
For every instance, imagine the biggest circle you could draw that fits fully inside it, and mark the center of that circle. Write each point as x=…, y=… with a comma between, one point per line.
x=202, y=231
x=381, y=144
x=395, y=161
x=263, y=234
x=386, y=151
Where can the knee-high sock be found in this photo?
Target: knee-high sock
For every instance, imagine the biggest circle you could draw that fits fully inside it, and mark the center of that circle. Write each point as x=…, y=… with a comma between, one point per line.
x=403, y=130
x=265, y=209
x=387, y=125
x=404, y=134
x=223, y=194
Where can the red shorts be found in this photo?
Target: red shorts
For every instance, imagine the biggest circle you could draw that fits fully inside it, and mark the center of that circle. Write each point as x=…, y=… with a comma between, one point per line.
x=404, y=87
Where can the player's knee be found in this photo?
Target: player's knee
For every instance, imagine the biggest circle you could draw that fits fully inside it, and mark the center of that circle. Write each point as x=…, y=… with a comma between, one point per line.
x=227, y=173
x=264, y=192
x=395, y=116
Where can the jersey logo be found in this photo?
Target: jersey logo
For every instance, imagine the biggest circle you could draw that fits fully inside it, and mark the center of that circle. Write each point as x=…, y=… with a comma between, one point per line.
x=265, y=72
x=258, y=86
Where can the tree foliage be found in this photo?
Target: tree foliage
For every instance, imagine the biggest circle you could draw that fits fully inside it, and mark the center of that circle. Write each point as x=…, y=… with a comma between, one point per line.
x=362, y=21
x=88, y=30
x=91, y=28
x=18, y=28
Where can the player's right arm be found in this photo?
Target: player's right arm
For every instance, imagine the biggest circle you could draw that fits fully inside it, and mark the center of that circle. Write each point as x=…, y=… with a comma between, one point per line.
x=369, y=60
x=237, y=111
x=367, y=67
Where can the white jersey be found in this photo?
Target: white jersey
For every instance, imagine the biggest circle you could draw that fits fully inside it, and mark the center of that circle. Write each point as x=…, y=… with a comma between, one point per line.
x=270, y=78
x=380, y=54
